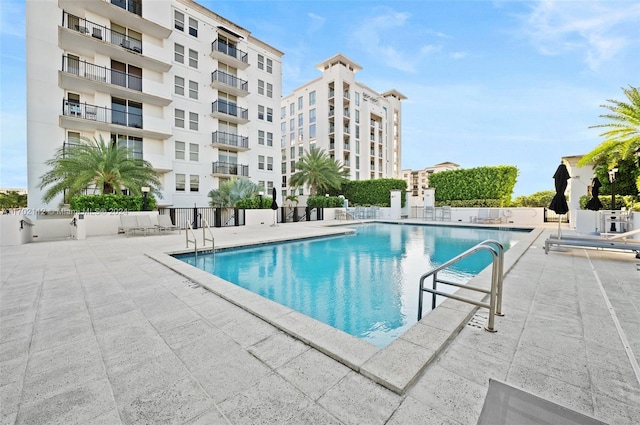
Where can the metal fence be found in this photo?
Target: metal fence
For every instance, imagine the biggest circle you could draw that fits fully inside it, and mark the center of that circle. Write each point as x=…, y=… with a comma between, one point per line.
x=297, y=214
x=215, y=217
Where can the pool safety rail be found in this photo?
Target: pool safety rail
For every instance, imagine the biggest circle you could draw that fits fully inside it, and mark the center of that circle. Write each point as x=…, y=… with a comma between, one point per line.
x=495, y=300
x=205, y=227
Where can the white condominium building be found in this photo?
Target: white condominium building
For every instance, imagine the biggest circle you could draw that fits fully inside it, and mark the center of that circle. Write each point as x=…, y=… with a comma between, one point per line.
x=352, y=123
x=184, y=88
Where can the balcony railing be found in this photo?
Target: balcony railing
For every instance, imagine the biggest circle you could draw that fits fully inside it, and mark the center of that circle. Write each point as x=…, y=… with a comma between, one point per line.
x=133, y=6
x=101, y=73
x=229, y=108
x=101, y=114
x=230, y=49
x=230, y=80
x=101, y=32
x=229, y=139
x=230, y=169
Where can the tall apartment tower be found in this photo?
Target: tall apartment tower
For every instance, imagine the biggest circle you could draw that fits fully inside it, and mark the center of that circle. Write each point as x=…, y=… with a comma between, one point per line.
x=352, y=123
x=187, y=90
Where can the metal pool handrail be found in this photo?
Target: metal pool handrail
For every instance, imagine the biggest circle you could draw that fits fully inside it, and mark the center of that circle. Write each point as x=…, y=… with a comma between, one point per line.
x=495, y=300
x=188, y=229
x=204, y=235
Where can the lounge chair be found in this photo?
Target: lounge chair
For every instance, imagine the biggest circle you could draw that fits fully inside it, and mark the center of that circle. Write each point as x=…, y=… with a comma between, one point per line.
x=446, y=213
x=488, y=215
x=128, y=224
x=606, y=236
x=144, y=224
x=165, y=224
x=506, y=405
x=429, y=213
x=593, y=242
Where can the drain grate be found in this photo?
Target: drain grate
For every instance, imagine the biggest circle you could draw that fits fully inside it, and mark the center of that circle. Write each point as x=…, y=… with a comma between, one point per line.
x=478, y=321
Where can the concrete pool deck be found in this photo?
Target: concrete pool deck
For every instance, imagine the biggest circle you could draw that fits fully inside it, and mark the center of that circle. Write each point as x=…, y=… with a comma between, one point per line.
x=100, y=332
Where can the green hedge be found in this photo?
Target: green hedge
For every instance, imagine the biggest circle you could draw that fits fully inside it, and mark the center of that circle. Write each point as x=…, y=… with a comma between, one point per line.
x=626, y=201
x=110, y=203
x=482, y=183
x=472, y=203
x=371, y=192
x=325, y=202
x=254, y=203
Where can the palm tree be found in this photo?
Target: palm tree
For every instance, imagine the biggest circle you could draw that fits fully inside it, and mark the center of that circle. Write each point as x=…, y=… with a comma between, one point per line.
x=108, y=167
x=319, y=171
x=622, y=138
x=231, y=191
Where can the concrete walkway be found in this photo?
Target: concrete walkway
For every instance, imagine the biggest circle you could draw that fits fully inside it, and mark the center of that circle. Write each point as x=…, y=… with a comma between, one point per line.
x=97, y=332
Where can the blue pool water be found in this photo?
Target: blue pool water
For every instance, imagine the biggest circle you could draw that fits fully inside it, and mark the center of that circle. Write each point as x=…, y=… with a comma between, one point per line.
x=365, y=284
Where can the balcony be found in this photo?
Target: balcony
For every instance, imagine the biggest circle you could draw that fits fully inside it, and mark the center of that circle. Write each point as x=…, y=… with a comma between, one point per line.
x=229, y=54
x=86, y=117
x=228, y=83
x=228, y=111
x=85, y=76
x=125, y=12
x=229, y=141
x=88, y=38
x=223, y=169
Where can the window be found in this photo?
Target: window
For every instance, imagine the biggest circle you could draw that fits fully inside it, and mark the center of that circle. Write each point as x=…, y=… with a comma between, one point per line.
x=133, y=144
x=178, y=20
x=357, y=115
x=194, y=183
x=179, y=85
x=269, y=139
x=283, y=127
x=73, y=138
x=293, y=165
x=270, y=114
x=312, y=116
x=193, y=121
x=193, y=27
x=193, y=89
x=193, y=58
x=180, y=182
x=260, y=137
x=193, y=151
x=300, y=150
x=292, y=152
x=292, y=124
x=260, y=87
x=180, y=146
x=269, y=163
x=260, y=162
x=269, y=66
x=300, y=103
x=126, y=112
x=357, y=99
x=283, y=113
x=261, y=112
x=292, y=109
x=312, y=98
x=270, y=90
x=178, y=53
x=300, y=133
x=300, y=120
x=312, y=131
x=179, y=121
x=260, y=62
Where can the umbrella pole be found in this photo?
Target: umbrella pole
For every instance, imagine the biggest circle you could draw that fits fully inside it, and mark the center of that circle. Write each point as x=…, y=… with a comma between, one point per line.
x=559, y=223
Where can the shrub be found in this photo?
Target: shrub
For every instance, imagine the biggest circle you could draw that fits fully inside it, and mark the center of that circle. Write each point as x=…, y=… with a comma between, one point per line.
x=325, y=202
x=110, y=203
x=475, y=183
x=371, y=192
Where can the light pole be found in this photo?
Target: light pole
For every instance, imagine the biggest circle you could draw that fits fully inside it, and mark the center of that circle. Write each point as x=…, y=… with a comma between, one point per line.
x=612, y=180
x=145, y=200
x=260, y=194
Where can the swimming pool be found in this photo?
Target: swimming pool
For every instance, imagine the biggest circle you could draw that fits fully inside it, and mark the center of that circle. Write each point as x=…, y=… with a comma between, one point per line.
x=365, y=284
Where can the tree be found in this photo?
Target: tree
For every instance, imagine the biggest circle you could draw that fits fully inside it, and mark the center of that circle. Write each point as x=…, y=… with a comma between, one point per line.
x=13, y=199
x=622, y=137
x=319, y=171
x=231, y=191
x=108, y=167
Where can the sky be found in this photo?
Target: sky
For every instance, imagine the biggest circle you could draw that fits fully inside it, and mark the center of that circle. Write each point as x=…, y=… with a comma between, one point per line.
x=488, y=83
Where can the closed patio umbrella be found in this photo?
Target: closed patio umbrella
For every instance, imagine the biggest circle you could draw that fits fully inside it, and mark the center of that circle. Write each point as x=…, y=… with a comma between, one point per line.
x=274, y=206
x=594, y=203
x=559, y=202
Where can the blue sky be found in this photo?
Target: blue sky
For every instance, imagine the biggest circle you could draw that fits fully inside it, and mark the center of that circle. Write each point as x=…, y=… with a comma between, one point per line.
x=488, y=82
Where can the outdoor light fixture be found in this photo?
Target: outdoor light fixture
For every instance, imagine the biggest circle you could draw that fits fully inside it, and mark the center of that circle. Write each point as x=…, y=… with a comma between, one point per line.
x=145, y=200
x=260, y=194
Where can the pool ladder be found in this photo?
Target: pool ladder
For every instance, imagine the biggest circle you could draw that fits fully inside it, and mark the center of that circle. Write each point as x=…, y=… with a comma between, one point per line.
x=205, y=227
x=495, y=300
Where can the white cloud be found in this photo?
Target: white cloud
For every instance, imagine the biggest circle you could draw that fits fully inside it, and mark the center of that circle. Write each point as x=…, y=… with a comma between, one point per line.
x=384, y=36
x=597, y=30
